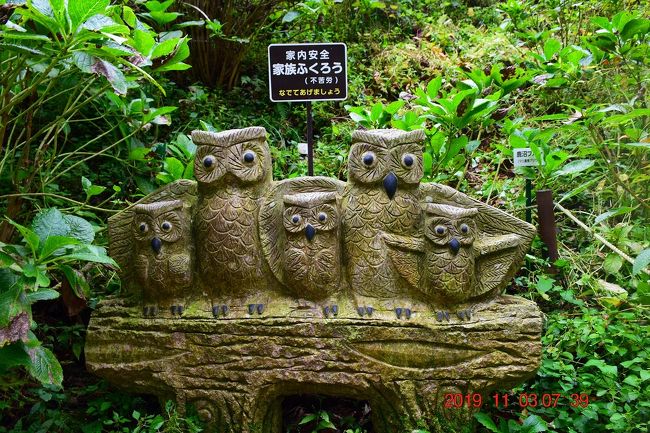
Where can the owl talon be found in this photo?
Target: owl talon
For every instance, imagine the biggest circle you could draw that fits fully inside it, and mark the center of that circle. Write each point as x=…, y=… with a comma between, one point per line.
x=464, y=314
x=440, y=315
x=179, y=310
x=407, y=313
x=369, y=311
x=335, y=310
x=360, y=311
x=153, y=312
x=215, y=311
x=174, y=310
x=251, y=309
x=398, y=312
x=224, y=310
x=260, y=308
x=326, y=311
x=145, y=311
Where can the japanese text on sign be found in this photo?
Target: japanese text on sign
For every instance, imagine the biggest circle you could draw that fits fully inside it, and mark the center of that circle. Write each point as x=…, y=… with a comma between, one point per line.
x=307, y=72
x=524, y=157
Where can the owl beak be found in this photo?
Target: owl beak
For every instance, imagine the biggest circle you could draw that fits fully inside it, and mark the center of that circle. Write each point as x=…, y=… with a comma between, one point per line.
x=156, y=245
x=390, y=184
x=310, y=232
x=454, y=245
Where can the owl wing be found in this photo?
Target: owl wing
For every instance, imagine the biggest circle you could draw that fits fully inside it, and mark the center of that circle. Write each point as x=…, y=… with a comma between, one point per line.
x=120, y=245
x=271, y=228
x=405, y=252
x=180, y=269
x=502, y=243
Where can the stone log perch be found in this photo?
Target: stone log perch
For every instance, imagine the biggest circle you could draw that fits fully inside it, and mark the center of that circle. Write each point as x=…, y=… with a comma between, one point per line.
x=237, y=371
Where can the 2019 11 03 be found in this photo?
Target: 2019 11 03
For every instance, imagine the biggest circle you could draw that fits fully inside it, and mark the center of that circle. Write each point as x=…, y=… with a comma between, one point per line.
x=476, y=400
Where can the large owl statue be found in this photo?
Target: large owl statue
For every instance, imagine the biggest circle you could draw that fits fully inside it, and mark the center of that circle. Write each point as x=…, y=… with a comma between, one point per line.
x=233, y=169
x=312, y=257
x=162, y=254
x=384, y=171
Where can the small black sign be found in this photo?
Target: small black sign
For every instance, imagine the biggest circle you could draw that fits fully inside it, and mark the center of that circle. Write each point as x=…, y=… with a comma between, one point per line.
x=308, y=72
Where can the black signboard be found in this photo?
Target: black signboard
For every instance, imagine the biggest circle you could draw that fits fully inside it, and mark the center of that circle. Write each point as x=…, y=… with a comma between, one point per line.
x=308, y=72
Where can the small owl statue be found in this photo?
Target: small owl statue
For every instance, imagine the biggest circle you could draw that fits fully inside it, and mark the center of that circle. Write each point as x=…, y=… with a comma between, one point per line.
x=162, y=254
x=449, y=266
x=384, y=170
x=233, y=169
x=312, y=257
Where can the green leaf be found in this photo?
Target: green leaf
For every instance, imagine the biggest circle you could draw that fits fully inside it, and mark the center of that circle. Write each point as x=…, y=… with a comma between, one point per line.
x=290, y=16
x=90, y=253
x=614, y=212
x=637, y=26
x=31, y=238
x=551, y=47
x=112, y=74
x=575, y=167
x=77, y=282
x=143, y=42
x=486, y=421
x=50, y=222
x=608, y=370
x=54, y=243
x=42, y=295
x=80, y=11
x=306, y=419
x=12, y=355
x=174, y=167
x=394, y=107
x=433, y=87
x=44, y=366
x=79, y=229
x=376, y=111
x=534, y=424
x=164, y=48
x=613, y=263
x=641, y=262
x=427, y=162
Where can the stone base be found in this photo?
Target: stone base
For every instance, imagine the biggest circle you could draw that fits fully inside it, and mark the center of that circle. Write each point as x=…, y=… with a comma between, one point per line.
x=237, y=370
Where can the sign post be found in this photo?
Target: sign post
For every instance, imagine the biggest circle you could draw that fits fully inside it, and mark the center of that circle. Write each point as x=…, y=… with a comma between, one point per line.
x=524, y=157
x=306, y=73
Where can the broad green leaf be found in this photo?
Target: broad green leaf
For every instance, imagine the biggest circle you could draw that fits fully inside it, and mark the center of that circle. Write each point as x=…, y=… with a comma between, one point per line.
x=394, y=107
x=174, y=167
x=79, y=229
x=164, y=48
x=613, y=263
x=641, y=262
x=81, y=10
x=50, y=222
x=307, y=418
x=534, y=424
x=575, y=167
x=42, y=295
x=486, y=421
x=12, y=355
x=433, y=87
x=143, y=42
x=77, y=282
x=31, y=239
x=427, y=162
x=551, y=47
x=614, y=212
x=83, y=61
x=21, y=49
x=44, y=366
x=112, y=74
x=637, y=26
x=608, y=370
x=376, y=111
x=89, y=253
x=290, y=16
x=24, y=36
x=54, y=243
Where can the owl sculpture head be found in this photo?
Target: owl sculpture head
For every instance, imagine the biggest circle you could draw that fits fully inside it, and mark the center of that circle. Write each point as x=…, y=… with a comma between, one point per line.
x=157, y=225
x=390, y=157
x=450, y=227
x=310, y=213
x=237, y=156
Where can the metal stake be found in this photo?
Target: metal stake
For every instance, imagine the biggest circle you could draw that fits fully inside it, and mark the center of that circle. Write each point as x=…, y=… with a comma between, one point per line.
x=529, y=200
x=310, y=141
x=547, y=227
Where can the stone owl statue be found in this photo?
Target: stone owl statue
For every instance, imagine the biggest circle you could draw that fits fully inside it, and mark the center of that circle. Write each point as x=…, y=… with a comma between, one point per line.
x=457, y=258
x=300, y=232
x=152, y=242
x=312, y=257
x=233, y=170
x=163, y=263
x=384, y=171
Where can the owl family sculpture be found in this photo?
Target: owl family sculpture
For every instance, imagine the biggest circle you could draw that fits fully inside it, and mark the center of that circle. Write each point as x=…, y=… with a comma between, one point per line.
x=240, y=290
x=381, y=243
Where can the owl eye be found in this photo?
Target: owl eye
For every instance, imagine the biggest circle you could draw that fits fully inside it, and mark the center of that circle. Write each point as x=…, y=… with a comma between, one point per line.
x=143, y=227
x=408, y=160
x=208, y=162
x=464, y=228
x=249, y=156
x=440, y=230
x=166, y=226
x=322, y=217
x=368, y=158
x=295, y=219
